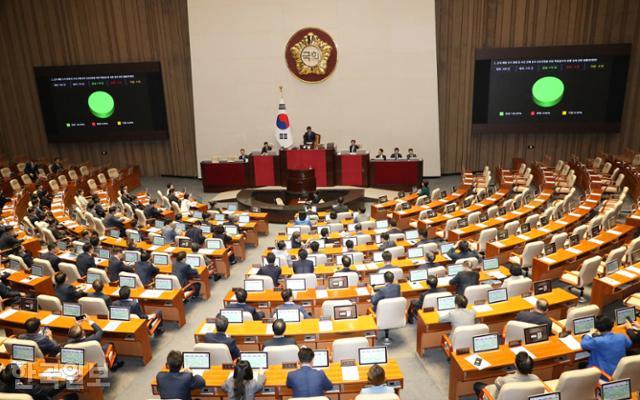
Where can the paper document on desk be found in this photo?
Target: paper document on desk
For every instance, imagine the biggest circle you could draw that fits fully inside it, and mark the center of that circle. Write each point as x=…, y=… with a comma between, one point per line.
x=575, y=215
x=518, y=349
x=482, y=308
x=496, y=274
x=269, y=329
x=574, y=251
x=481, y=225
x=63, y=373
x=361, y=267
x=615, y=232
x=207, y=328
x=7, y=313
x=372, y=266
x=500, y=219
x=472, y=359
x=516, y=212
x=169, y=249
x=362, y=291
x=49, y=319
x=415, y=285
x=523, y=237
x=498, y=244
x=627, y=274
x=597, y=241
x=610, y=281
x=531, y=300
x=545, y=230
x=571, y=343
x=547, y=260
x=529, y=206
x=325, y=326
x=350, y=373
x=562, y=222
x=633, y=269
x=321, y=294
x=112, y=326
x=151, y=293
x=153, y=247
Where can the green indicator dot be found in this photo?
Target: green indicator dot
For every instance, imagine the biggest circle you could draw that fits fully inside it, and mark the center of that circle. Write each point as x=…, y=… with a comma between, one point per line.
x=547, y=91
x=502, y=113
x=101, y=104
x=68, y=125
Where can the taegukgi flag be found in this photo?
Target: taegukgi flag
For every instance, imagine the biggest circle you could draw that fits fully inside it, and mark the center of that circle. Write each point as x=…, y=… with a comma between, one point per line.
x=283, y=128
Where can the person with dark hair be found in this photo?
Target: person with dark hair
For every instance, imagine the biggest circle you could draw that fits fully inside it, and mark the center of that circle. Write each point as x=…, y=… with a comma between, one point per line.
x=516, y=274
x=393, y=227
x=467, y=277
x=241, y=303
x=386, y=259
x=26, y=256
x=266, y=148
x=220, y=336
x=302, y=265
x=353, y=147
x=339, y=206
x=432, y=282
x=116, y=265
x=185, y=273
x=281, y=252
x=279, y=327
x=150, y=210
x=381, y=154
x=43, y=338
x=396, y=154
x=8, y=295
x=242, y=385
x=302, y=219
x=10, y=376
x=98, y=209
x=85, y=260
x=388, y=291
x=362, y=216
x=296, y=240
x=537, y=316
x=411, y=154
x=463, y=251
x=306, y=381
x=315, y=247
x=243, y=156
x=56, y=166
x=349, y=245
x=386, y=242
x=65, y=292
x=523, y=373
x=461, y=315
x=346, y=264
x=271, y=270
x=145, y=269
x=287, y=304
x=324, y=233
x=112, y=221
x=51, y=256
x=425, y=190
x=376, y=381
x=606, y=347
x=9, y=238
x=309, y=137
x=134, y=307
x=177, y=383
x=195, y=233
x=98, y=287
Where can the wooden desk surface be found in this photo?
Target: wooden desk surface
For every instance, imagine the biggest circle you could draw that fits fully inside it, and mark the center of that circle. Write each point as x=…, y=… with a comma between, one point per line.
x=460, y=192
x=19, y=317
x=305, y=295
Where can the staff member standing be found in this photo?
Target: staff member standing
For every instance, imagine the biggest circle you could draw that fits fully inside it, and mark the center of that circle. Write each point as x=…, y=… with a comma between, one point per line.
x=309, y=137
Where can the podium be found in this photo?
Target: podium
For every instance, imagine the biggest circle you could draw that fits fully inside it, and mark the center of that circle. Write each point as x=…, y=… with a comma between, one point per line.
x=395, y=174
x=221, y=176
x=265, y=169
x=352, y=169
x=301, y=182
x=322, y=161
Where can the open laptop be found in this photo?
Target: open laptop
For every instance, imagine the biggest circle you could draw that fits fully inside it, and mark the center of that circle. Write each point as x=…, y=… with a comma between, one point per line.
x=536, y=334
x=574, y=240
x=119, y=313
x=105, y=254
x=160, y=259
x=288, y=315
x=382, y=226
x=625, y=314
x=345, y=312
x=320, y=359
x=129, y=281
x=453, y=269
x=417, y=275
x=444, y=305
x=488, y=342
x=612, y=267
x=372, y=355
x=163, y=284
x=542, y=287
x=595, y=231
x=377, y=256
x=583, y=325
x=616, y=390
x=131, y=256
x=254, y=285
x=72, y=356
x=193, y=260
x=231, y=229
x=257, y=359
x=234, y=316
x=376, y=279
x=449, y=208
x=412, y=236
x=524, y=228
x=135, y=237
x=197, y=362
x=546, y=396
x=489, y=264
x=21, y=352
x=36, y=270
x=338, y=282
x=296, y=284
x=445, y=247
x=549, y=248
x=415, y=252
x=157, y=241
x=497, y=295
x=159, y=224
x=71, y=310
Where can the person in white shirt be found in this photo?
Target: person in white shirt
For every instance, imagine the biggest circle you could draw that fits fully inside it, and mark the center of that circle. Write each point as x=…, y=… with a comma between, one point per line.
x=281, y=252
x=516, y=274
x=186, y=204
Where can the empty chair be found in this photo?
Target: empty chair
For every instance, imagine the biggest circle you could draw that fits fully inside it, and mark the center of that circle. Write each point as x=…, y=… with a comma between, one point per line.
x=71, y=271
x=614, y=255
x=473, y=217
x=321, y=259
x=450, y=225
x=282, y=354
x=632, y=247
x=394, y=237
x=432, y=247
x=391, y=314
x=13, y=259
x=532, y=220
x=472, y=261
x=53, y=184
x=84, y=170
x=486, y=236
x=363, y=238
x=335, y=227
x=579, y=384
x=347, y=348
x=628, y=368
x=477, y=293
x=15, y=185
x=328, y=306
x=580, y=231
x=94, y=306
x=47, y=269
x=531, y=251
x=595, y=222
x=352, y=277
x=508, y=204
x=514, y=331
x=583, y=276
x=49, y=303
x=573, y=313
x=93, y=187
x=559, y=239
x=5, y=172
x=266, y=281
x=396, y=251
x=422, y=200
x=492, y=212
x=343, y=215
x=219, y=352
x=615, y=188
x=435, y=194
x=524, y=186
x=310, y=279
x=519, y=287
x=512, y=227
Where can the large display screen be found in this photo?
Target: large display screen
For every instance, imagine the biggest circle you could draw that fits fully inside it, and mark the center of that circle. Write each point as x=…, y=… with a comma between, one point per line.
x=550, y=89
x=102, y=102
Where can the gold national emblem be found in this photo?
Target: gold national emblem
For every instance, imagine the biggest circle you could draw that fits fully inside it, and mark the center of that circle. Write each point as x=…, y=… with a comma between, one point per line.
x=311, y=55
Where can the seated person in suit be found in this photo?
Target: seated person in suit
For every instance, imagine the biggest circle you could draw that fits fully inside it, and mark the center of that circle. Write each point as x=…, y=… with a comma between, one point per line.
x=43, y=337
x=388, y=291
x=381, y=154
x=281, y=252
x=411, y=154
x=340, y=206
x=324, y=232
x=315, y=248
x=425, y=190
x=242, y=385
x=516, y=274
x=57, y=165
x=537, y=316
x=220, y=336
x=185, y=273
x=286, y=295
x=396, y=154
x=309, y=137
x=346, y=263
x=195, y=233
x=98, y=287
x=26, y=256
x=302, y=265
x=463, y=251
x=85, y=260
x=296, y=240
x=51, y=256
x=241, y=303
x=173, y=196
x=349, y=245
x=386, y=242
x=266, y=148
x=279, y=327
x=145, y=270
x=606, y=347
x=78, y=335
x=386, y=258
x=271, y=270
x=467, y=277
x=523, y=373
x=461, y=315
x=302, y=219
x=432, y=282
x=243, y=156
x=65, y=292
x=134, y=307
x=116, y=265
x=9, y=296
x=376, y=381
x=37, y=391
x=111, y=220
x=633, y=330
x=307, y=381
x=177, y=383
x=353, y=147
x=362, y=215
x=393, y=226
x=9, y=238
x=150, y=210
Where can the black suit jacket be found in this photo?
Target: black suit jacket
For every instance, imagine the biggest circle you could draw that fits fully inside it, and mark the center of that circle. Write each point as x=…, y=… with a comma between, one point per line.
x=178, y=385
x=184, y=272
x=303, y=267
x=281, y=341
x=223, y=339
x=111, y=221
x=271, y=271
x=107, y=299
x=195, y=234
x=534, y=318
x=8, y=241
x=115, y=267
x=388, y=291
x=353, y=148
x=464, y=279
x=133, y=306
x=246, y=307
x=309, y=137
x=146, y=271
x=151, y=212
x=84, y=262
x=53, y=259
x=69, y=294
x=47, y=346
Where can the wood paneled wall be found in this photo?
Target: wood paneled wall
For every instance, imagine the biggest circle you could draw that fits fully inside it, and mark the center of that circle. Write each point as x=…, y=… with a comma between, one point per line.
x=464, y=25
x=66, y=32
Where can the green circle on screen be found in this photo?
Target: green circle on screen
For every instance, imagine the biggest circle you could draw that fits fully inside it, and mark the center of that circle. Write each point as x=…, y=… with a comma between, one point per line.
x=101, y=104
x=547, y=91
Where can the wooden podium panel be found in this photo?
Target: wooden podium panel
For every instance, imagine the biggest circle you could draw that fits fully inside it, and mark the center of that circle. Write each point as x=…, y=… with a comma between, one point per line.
x=218, y=177
x=321, y=160
x=265, y=169
x=352, y=169
x=395, y=174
